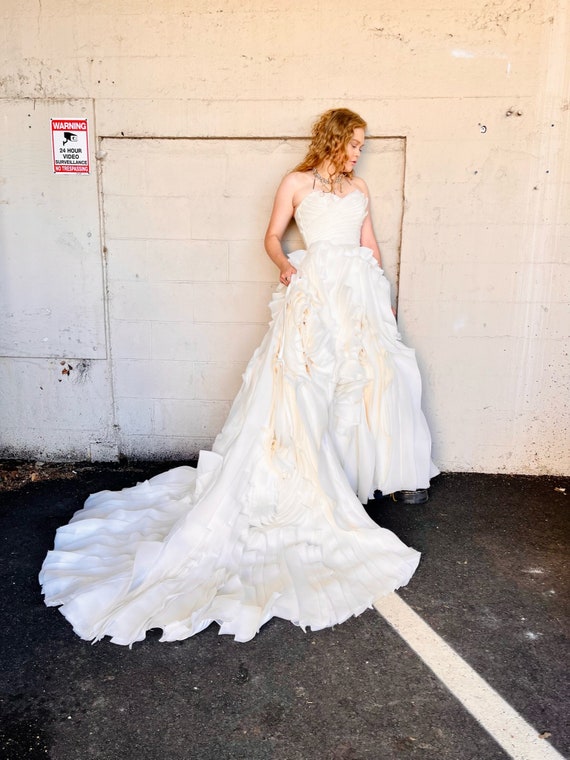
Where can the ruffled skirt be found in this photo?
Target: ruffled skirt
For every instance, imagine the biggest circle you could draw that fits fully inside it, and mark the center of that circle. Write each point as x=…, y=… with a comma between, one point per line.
x=270, y=523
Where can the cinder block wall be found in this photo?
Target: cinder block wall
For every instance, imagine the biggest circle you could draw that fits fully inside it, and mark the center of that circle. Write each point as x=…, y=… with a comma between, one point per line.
x=131, y=299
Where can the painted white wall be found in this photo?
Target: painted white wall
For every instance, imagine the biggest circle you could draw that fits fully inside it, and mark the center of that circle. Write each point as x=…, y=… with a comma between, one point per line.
x=102, y=272
x=188, y=281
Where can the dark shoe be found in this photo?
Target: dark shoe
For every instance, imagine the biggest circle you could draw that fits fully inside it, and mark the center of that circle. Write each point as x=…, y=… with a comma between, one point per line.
x=419, y=496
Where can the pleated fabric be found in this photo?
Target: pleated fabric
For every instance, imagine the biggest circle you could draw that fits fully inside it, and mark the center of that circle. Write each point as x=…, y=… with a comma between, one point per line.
x=271, y=522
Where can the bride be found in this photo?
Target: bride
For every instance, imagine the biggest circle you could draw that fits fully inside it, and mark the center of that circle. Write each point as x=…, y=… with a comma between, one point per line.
x=271, y=522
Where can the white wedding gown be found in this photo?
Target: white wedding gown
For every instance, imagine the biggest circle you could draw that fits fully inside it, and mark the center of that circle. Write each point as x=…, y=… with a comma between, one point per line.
x=271, y=521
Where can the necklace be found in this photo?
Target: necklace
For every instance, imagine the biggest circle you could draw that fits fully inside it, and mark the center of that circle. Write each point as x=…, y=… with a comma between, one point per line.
x=327, y=181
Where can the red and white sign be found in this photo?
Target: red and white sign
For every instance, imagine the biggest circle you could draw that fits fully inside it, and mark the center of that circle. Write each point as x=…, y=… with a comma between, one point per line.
x=70, y=146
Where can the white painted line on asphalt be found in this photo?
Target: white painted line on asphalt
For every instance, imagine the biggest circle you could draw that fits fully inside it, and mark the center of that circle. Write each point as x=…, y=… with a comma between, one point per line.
x=517, y=737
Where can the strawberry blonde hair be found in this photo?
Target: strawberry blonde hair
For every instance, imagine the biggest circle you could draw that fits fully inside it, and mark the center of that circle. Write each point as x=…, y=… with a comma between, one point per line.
x=329, y=137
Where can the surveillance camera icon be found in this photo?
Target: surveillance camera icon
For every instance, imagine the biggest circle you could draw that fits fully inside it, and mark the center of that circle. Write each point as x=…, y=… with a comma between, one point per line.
x=69, y=137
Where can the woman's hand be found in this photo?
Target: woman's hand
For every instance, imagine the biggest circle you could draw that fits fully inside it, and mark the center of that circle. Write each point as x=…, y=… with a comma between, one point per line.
x=286, y=274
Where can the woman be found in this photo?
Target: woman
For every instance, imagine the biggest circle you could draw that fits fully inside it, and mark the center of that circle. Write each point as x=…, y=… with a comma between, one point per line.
x=271, y=524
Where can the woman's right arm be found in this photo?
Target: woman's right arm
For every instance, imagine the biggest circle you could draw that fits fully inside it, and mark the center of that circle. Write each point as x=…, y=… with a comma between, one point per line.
x=281, y=215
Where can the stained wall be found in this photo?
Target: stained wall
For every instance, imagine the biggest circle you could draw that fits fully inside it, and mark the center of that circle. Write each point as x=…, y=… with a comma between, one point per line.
x=130, y=299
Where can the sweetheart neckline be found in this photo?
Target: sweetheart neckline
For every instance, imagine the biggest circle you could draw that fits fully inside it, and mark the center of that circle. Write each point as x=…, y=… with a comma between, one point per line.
x=338, y=197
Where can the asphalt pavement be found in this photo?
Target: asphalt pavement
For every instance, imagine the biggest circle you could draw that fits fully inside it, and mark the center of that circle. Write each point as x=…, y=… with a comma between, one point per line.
x=492, y=583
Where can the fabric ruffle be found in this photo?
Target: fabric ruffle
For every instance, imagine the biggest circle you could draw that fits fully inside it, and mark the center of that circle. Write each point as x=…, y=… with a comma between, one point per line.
x=270, y=524
x=177, y=553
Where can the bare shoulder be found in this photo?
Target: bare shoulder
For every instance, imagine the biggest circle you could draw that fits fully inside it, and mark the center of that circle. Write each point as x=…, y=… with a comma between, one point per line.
x=294, y=181
x=287, y=197
x=361, y=185
x=296, y=185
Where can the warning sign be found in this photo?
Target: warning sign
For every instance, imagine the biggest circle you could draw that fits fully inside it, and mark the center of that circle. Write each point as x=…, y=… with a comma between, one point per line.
x=70, y=146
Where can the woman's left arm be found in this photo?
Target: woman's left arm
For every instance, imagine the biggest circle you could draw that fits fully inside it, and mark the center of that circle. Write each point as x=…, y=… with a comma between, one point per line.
x=367, y=236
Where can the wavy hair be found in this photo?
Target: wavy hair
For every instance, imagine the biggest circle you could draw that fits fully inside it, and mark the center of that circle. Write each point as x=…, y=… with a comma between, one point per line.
x=329, y=137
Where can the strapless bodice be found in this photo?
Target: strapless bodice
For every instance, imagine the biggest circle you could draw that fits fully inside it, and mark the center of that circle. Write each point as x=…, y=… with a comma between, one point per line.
x=328, y=217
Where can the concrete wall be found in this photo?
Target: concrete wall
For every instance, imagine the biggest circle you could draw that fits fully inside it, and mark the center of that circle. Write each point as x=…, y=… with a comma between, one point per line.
x=131, y=298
